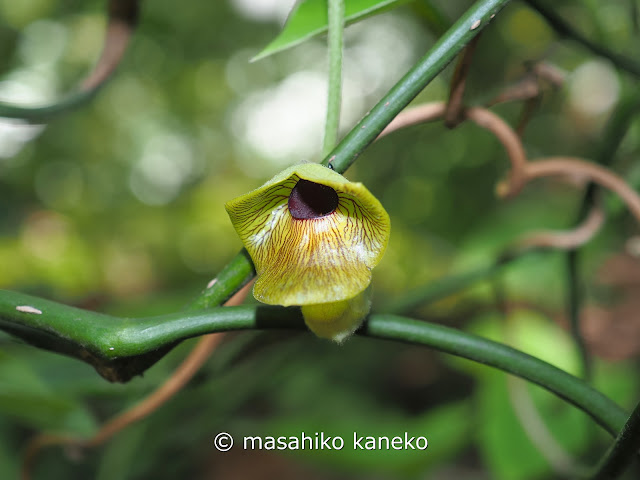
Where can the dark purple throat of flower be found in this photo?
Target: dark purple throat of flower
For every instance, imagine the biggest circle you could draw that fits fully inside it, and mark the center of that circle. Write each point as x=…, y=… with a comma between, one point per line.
x=312, y=200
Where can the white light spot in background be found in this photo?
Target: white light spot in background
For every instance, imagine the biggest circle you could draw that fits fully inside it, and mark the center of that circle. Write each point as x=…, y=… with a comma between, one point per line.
x=14, y=134
x=264, y=10
x=284, y=122
x=379, y=51
x=41, y=42
x=22, y=88
x=594, y=88
x=41, y=45
x=166, y=163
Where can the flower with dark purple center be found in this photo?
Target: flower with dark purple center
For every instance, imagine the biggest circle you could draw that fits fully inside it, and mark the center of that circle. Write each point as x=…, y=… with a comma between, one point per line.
x=314, y=238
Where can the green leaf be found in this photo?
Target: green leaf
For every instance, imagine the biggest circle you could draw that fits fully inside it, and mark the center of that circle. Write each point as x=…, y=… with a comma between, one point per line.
x=309, y=18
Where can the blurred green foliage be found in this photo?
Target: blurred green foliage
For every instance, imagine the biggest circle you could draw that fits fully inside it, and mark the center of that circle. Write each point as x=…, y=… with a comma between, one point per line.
x=118, y=207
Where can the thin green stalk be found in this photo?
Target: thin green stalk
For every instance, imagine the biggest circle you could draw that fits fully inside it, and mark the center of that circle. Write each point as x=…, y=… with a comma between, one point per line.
x=335, y=31
x=446, y=48
x=444, y=287
x=574, y=303
x=614, y=133
x=625, y=448
x=566, y=30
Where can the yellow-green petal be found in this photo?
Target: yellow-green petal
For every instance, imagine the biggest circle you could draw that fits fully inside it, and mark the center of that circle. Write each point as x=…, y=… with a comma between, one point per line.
x=314, y=260
x=337, y=320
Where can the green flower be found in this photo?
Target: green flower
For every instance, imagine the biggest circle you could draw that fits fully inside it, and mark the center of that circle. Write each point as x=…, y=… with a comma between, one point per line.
x=314, y=237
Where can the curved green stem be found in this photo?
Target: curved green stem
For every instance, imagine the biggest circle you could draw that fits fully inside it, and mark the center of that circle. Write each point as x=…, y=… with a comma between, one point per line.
x=625, y=448
x=103, y=340
x=445, y=50
x=494, y=354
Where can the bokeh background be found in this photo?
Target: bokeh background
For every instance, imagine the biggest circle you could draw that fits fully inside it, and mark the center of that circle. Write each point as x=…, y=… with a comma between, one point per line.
x=118, y=206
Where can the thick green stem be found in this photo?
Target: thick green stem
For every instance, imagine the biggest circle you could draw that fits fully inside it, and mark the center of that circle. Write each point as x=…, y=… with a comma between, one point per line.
x=103, y=340
x=336, y=27
x=445, y=50
x=625, y=448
